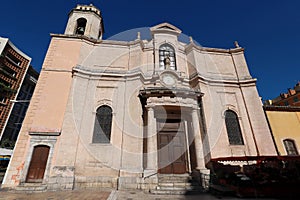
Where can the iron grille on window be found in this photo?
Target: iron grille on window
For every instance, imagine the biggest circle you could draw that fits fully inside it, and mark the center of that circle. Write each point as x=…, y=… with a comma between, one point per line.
x=290, y=147
x=233, y=128
x=103, y=121
x=165, y=51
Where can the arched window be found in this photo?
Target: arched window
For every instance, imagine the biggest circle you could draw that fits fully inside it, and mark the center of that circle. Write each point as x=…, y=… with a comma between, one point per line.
x=81, y=24
x=102, y=128
x=167, y=57
x=290, y=147
x=233, y=128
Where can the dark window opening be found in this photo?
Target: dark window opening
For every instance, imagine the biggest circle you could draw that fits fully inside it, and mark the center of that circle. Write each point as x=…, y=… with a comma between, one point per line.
x=81, y=25
x=13, y=59
x=4, y=83
x=296, y=99
x=290, y=147
x=2, y=99
x=233, y=128
x=102, y=127
x=7, y=71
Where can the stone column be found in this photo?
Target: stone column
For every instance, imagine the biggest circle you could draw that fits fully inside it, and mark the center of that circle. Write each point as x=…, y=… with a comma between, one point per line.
x=198, y=140
x=151, y=166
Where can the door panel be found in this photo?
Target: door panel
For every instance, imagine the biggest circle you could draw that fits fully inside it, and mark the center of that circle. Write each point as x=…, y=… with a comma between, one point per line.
x=38, y=164
x=164, y=157
x=179, y=153
x=171, y=148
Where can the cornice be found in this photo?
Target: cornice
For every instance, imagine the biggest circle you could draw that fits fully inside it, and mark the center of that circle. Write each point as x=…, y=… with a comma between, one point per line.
x=223, y=81
x=85, y=71
x=94, y=41
x=163, y=91
x=96, y=73
x=192, y=46
x=189, y=47
x=282, y=108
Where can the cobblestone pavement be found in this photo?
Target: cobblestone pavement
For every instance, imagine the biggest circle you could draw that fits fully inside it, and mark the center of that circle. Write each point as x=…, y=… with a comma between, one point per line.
x=140, y=195
x=103, y=195
x=56, y=195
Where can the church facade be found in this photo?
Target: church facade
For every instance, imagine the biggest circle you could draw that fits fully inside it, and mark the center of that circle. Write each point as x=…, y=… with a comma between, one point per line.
x=121, y=114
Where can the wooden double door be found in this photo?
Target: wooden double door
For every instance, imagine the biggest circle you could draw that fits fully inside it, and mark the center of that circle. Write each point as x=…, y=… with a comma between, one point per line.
x=171, y=144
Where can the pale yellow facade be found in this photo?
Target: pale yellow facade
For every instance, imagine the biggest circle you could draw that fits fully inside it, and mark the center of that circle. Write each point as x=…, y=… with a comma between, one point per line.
x=285, y=125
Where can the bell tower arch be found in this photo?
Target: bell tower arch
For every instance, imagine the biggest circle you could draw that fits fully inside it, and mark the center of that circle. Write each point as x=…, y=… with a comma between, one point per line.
x=85, y=20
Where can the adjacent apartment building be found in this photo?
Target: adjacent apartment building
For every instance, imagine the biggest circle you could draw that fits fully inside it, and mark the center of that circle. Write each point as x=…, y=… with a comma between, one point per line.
x=283, y=115
x=14, y=65
x=20, y=106
x=290, y=98
x=284, y=123
x=127, y=114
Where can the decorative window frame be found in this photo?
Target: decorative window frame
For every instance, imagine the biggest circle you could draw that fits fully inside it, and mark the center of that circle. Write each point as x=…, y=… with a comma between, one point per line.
x=232, y=108
x=175, y=55
x=103, y=102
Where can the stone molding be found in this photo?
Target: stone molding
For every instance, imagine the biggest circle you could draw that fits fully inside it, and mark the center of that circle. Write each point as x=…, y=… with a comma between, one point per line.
x=44, y=133
x=282, y=108
x=188, y=47
x=86, y=72
x=35, y=140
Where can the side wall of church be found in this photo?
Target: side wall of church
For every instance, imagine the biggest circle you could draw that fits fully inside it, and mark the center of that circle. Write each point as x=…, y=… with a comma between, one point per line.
x=46, y=111
x=103, y=163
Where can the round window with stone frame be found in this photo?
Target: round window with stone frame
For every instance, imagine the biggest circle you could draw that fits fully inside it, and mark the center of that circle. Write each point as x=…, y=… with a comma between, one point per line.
x=168, y=79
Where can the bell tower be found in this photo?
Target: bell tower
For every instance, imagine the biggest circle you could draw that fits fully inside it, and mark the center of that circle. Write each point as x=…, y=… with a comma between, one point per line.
x=85, y=20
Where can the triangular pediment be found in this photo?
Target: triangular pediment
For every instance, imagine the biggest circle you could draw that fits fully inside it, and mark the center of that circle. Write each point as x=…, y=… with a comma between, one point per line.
x=165, y=27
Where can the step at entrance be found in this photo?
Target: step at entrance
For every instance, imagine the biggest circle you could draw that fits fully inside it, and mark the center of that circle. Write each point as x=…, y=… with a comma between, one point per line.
x=31, y=187
x=177, y=184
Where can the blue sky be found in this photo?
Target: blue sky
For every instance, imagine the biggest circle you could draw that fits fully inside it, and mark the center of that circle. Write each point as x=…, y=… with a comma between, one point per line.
x=267, y=29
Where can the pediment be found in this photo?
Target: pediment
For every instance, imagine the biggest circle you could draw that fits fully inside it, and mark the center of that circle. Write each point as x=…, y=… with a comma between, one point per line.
x=165, y=27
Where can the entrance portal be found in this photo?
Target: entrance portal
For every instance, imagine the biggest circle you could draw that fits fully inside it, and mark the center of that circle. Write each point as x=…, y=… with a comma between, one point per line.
x=38, y=164
x=172, y=158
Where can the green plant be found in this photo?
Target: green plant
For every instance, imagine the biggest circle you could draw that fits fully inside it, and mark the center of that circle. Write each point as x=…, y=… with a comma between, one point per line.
x=7, y=143
x=6, y=88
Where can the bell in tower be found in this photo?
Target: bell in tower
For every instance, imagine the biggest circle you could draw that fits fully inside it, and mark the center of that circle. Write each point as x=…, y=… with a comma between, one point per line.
x=85, y=20
x=81, y=24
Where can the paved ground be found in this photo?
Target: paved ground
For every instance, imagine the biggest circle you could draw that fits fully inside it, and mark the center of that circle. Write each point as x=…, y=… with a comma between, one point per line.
x=61, y=195
x=102, y=195
x=139, y=195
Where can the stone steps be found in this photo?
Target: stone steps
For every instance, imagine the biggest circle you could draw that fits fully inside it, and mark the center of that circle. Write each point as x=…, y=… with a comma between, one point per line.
x=177, y=185
x=31, y=187
x=174, y=179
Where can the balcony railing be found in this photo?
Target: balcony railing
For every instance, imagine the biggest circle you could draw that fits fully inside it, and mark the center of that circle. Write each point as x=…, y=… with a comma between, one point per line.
x=16, y=63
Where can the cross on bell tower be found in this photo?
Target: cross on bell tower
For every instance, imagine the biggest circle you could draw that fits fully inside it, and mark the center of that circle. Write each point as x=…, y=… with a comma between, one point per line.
x=85, y=20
